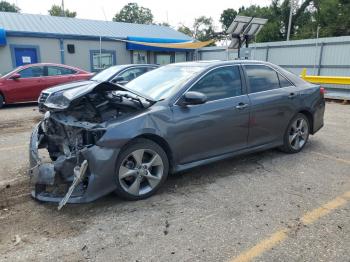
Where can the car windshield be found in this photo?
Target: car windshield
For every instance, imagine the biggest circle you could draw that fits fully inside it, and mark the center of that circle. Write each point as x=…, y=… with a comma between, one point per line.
x=106, y=74
x=162, y=82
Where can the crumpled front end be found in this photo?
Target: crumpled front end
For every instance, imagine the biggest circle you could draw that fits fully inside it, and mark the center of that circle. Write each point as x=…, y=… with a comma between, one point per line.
x=66, y=165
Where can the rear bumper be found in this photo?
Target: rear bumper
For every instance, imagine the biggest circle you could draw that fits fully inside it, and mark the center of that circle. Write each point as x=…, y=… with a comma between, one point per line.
x=318, y=116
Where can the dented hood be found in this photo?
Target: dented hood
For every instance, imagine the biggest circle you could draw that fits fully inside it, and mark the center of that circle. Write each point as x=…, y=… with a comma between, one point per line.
x=61, y=96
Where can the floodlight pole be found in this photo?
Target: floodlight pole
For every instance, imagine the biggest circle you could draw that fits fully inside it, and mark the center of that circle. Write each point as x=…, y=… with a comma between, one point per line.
x=290, y=18
x=239, y=46
x=63, y=12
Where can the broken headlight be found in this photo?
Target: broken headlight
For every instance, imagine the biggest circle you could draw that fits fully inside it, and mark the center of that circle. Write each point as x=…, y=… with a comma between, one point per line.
x=57, y=100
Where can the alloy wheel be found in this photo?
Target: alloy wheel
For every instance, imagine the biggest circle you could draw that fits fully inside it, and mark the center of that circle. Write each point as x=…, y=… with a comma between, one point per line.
x=298, y=133
x=140, y=172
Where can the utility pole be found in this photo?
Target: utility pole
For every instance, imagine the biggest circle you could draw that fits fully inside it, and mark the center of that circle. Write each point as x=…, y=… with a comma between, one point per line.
x=63, y=12
x=290, y=18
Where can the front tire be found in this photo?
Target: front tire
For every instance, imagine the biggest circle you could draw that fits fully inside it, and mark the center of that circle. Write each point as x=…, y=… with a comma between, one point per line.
x=296, y=134
x=142, y=167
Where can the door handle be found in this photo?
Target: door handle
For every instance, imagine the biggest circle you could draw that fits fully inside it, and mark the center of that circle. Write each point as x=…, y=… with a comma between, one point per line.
x=241, y=106
x=291, y=95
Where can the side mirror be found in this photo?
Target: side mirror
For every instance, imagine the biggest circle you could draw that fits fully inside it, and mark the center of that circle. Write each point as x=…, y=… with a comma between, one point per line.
x=15, y=76
x=193, y=98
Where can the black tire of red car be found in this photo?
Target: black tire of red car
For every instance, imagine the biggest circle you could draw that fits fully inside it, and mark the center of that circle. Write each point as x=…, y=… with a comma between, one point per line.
x=296, y=134
x=151, y=178
x=2, y=101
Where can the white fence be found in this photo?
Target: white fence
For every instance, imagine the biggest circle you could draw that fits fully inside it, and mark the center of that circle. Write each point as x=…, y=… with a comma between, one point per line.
x=323, y=56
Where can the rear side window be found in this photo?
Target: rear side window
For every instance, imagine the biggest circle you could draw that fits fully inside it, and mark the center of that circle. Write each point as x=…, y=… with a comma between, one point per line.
x=133, y=73
x=220, y=83
x=261, y=78
x=35, y=71
x=58, y=71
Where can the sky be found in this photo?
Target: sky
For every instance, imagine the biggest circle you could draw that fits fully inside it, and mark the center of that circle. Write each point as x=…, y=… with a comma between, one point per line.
x=174, y=12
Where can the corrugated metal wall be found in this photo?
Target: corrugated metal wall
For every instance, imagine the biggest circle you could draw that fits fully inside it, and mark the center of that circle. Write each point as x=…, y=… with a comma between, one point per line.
x=324, y=56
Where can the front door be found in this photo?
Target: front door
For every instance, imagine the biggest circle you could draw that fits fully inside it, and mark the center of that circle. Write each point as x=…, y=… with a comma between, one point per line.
x=216, y=127
x=24, y=56
x=26, y=87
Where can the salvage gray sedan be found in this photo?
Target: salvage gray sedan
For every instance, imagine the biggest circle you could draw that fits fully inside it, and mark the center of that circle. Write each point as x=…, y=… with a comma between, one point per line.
x=103, y=137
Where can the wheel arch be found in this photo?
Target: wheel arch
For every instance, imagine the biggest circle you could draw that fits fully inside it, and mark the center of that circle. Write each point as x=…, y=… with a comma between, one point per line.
x=3, y=95
x=309, y=117
x=162, y=143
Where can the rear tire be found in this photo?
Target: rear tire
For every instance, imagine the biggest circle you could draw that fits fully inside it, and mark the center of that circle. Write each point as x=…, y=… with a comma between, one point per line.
x=142, y=167
x=296, y=134
x=2, y=101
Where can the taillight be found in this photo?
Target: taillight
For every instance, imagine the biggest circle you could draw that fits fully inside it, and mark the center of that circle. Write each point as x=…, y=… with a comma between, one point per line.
x=322, y=90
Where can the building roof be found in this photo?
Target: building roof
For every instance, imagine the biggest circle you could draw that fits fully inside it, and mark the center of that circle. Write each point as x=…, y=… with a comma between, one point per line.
x=45, y=24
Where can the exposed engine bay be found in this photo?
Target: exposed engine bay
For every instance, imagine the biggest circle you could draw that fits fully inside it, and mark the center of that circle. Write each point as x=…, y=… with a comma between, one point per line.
x=70, y=136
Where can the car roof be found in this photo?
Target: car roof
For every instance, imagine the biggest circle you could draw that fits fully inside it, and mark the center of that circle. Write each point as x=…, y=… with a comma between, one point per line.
x=212, y=63
x=50, y=64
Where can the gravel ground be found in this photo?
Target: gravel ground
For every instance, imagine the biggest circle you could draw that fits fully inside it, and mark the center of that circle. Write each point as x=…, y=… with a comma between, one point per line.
x=210, y=213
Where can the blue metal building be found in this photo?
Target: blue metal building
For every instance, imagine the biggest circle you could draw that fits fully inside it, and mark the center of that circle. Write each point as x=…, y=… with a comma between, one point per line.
x=88, y=44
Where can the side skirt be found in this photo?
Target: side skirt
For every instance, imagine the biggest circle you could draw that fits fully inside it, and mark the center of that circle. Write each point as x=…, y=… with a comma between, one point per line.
x=179, y=168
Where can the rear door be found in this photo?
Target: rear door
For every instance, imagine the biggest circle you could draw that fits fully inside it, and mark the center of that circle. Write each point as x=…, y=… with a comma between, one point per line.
x=58, y=75
x=25, y=88
x=218, y=126
x=272, y=104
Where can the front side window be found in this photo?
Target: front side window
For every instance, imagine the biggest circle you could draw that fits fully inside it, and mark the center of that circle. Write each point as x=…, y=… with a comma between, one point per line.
x=132, y=73
x=102, y=60
x=220, y=83
x=140, y=57
x=261, y=78
x=35, y=71
x=58, y=71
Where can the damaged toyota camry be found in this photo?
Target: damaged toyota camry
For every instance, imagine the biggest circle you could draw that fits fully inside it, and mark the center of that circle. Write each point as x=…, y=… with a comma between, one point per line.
x=104, y=137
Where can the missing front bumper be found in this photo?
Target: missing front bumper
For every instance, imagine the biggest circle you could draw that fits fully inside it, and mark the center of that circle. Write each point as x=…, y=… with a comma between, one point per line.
x=61, y=181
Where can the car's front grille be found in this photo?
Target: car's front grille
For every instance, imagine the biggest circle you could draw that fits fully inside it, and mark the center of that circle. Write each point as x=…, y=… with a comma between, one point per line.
x=43, y=98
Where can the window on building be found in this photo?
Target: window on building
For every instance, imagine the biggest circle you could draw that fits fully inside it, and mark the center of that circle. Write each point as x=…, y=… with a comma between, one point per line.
x=140, y=57
x=261, y=78
x=57, y=71
x=163, y=59
x=180, y=57
x=102, y=60
x=35, y=71
x=220, y=83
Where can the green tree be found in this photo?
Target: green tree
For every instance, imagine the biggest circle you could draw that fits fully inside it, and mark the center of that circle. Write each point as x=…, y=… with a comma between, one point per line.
x=202, y=29
x=333, y=17
x=185, y=30
x=133, y=13
x=277, y=13
x=164, y=24
x=226, y=18
x=7, y=7
x=56, y=10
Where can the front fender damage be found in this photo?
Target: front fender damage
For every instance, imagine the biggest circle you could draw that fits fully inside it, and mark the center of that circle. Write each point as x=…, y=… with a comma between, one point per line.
x=68, y=161
x=67, y=174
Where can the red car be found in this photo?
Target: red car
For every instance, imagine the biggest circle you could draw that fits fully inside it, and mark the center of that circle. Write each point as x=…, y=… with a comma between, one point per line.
x=25, y=83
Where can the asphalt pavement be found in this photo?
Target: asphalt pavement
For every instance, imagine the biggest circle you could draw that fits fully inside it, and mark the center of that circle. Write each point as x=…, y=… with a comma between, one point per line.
x=268, y=206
